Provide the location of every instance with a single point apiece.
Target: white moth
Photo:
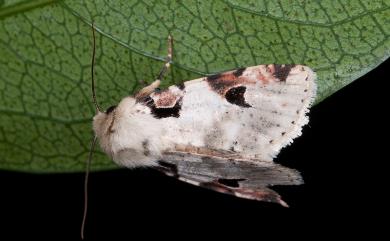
(220, 132)
(249, 113)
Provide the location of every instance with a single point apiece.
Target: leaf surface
(45, 55)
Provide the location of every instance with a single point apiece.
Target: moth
(219, 132)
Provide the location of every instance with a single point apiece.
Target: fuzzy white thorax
(129, 134)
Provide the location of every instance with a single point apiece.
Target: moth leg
(153, 86)
(167, 60)
(145, 91)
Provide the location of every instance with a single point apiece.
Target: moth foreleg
(147, 90)
(167, 60)
(153, 86)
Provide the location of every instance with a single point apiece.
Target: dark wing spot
(239, 72)
(180, 86)
(168, 112)
(161, 112)
(110, 109)
(282, 71)
(148, 101)
(236, 96)
(214, 77)
(220, 83)
(230, 182)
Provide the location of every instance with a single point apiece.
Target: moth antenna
(92, 70)
(87, 169)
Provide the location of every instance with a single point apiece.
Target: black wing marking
(242, 178)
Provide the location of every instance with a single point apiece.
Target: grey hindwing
(242, 178)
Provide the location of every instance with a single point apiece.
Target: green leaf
(45, 55)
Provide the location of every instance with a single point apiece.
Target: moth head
(106, 123)
(103, 122)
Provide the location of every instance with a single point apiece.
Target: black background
(340, 154)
